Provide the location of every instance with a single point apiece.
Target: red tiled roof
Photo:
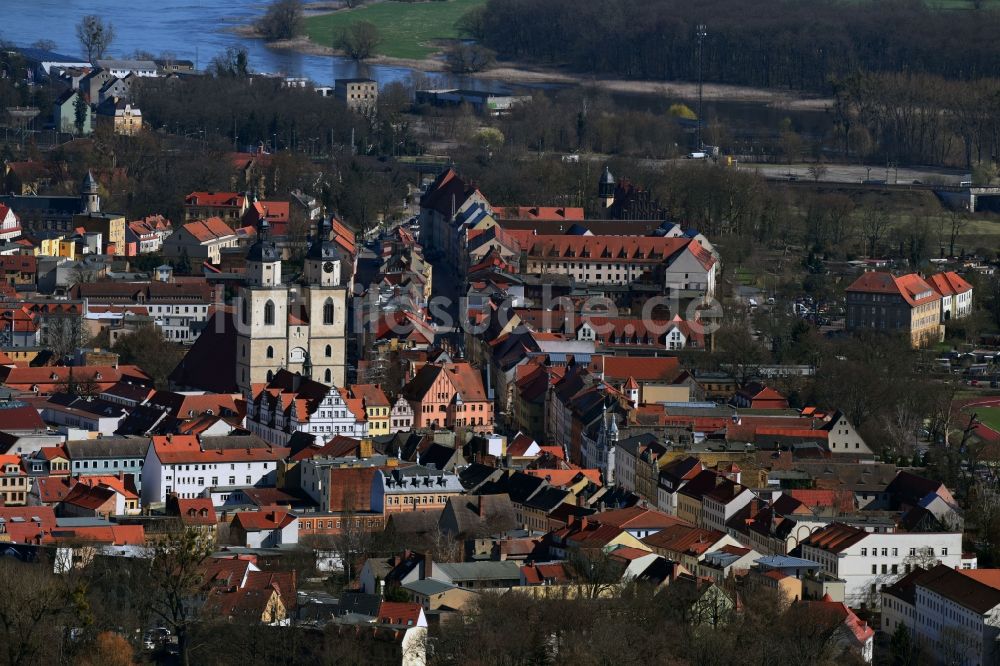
(843, 501)
(684, 538)
(836, 609)
(253, 521)
(404, 613)
(185, 405)
(538, 213)
(520, 444)
(644, 249)
(913, 289)
(554, 451)
(52, 378)
(949, 283)
(118, 535)
(836, 537)
(89, 497)
(33, 524)
(187, 449)
(628, 554)
(637, 517)
(208, 230)
(282, 582)
(990, 577)
(805, 433)
(52, 489)
(21, 418)
(196, 511)
(564, 477)
(371, 394)
(220, 199)
(537, 574)
(620, 368)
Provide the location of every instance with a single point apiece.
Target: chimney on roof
(428, 571)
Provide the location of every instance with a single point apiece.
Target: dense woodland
(767, 43)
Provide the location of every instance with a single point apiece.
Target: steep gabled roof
(949, 283)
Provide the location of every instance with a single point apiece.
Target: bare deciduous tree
(176, 577)
(95, 36)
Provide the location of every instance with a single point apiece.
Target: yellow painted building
(111, 226)
(22, 356)
(14, 482)
(56, 246)
(375, 404)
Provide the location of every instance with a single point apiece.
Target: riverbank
(512, 73)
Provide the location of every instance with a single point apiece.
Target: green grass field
(990, 416)
(408, 29)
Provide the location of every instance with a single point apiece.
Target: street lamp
(700, 35)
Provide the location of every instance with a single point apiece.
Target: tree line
(769, 43)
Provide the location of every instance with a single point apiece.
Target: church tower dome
(90, 195)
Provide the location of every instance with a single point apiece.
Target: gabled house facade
(291, 403)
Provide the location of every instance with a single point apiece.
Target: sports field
(990, 416)
(408, 29)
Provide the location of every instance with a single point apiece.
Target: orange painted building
(446, 395)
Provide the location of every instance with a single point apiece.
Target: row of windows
(200, 480)
(114, 464)
(358, 522)
(423, 499)
(176, 309)
(205, 468)
(328, 311)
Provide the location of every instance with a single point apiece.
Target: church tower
(262, 315)
(607, 443)
(90, 198)
(324, 296)
(606, 188)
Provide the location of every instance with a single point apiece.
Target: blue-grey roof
(491, 570)
(43, 55)
(721, 558)
(429, 586)
(82, 522)
(786, 562)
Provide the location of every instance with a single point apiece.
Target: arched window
(245, 306)
(329, 351)
(270, 351)
(270, 375)
(328, 376)
(328, 311)
(269, 313)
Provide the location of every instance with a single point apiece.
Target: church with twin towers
(298, 326)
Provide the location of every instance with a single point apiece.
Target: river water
(196, 31)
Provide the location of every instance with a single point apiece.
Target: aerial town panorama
(500, 332)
